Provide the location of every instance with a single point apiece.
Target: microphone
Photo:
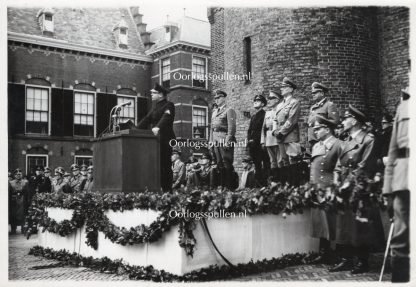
(118, 107)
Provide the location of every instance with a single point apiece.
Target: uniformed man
(396, 189)
(160, 119)
(35, 182)
(76, 180)
(286, 126)
(88, 184)
(18, 196)
(223, 128)
(324, 157)
(84, 171)
(46, 185)
(268, 140)
(357, 157)
(178, 169)
(206, 176)
(257, 153)
(248, 179)
(322, 106)
(58, 184)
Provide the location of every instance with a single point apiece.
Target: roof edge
(63, 44)
(172, 44)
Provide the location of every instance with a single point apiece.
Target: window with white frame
(84, 114)
(127, 112)
(32, 161)
(199, 122)
(84, 159)
(37, 110)
(165, 67)
(199, 72)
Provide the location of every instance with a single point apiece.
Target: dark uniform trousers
(396, 185)
(162, 117)
(357, 156)
(258, 154)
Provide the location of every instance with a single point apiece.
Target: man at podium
(161, 118)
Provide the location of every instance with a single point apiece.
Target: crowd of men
(22, 190)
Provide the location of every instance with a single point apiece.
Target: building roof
(188, 29)
(89, 27)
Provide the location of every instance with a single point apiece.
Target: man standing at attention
(223, 128)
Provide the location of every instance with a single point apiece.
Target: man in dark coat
(396, 188)
(324, 157)
(357, 157)
(322, 106)
(46, 185)
(19, 194)
(160, 119)
(257, 153)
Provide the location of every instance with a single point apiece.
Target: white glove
(155, 131)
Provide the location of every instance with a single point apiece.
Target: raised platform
(239, 240)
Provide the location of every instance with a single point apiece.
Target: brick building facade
(361, 53)
(67, 68)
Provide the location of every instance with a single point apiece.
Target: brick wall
(393, 26)
(336, 46)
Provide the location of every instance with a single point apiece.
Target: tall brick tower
(361, 53)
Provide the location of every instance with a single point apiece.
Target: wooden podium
(127, 161)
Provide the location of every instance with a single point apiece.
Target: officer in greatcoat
(76, 179)
(286, 126)
(325, 154)
(396, 189)
(46, 185)
(322, 106)
(257, 153)
(18, 196)
(88, 183)
(178, 169)
(223, 128)
(268, 140)
(354, 236)
(161, 118)
(59, 184)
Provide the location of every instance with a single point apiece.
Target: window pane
(44, 117)
(77, 119)
(90, 121)
(90, 109)
(77, 108)
(29, 104)
(36, 116)
(29, 116)
(29, 92)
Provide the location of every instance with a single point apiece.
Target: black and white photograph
(207, 141)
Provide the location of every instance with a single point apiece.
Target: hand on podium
(155, 131)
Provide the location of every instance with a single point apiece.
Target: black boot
(400, 269)
(360, 267)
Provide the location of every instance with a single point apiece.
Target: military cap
(60, 170)
(324, 122)
(159, 89)
(219, 93)
(177, 151)
(355, 113)
(17, 170)
(90, 168)
(286, 82)
(207, 156)
(74, 167)
(261, 99)
(247, 158)
(39, 168)
(84, 167)
(318, 87)
(46, 169)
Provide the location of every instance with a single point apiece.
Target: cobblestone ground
(20, 268)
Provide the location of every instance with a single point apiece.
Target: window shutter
(141, 108)
(16, 109)
(68, 113)
(105, 102)
(57, 112)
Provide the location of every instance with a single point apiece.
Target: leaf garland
(358, 191)
(210, 273)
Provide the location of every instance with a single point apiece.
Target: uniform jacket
(255, 128)
(75, 183)
(324, 108)
(223, 124)
(178, 169)
(19, 188)
(88, 185)
(396, 172)
(46, 185)
(248, 179)
(59, 185)
(323, 160)
(287, 120)
(357, 155)
(161, 116)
